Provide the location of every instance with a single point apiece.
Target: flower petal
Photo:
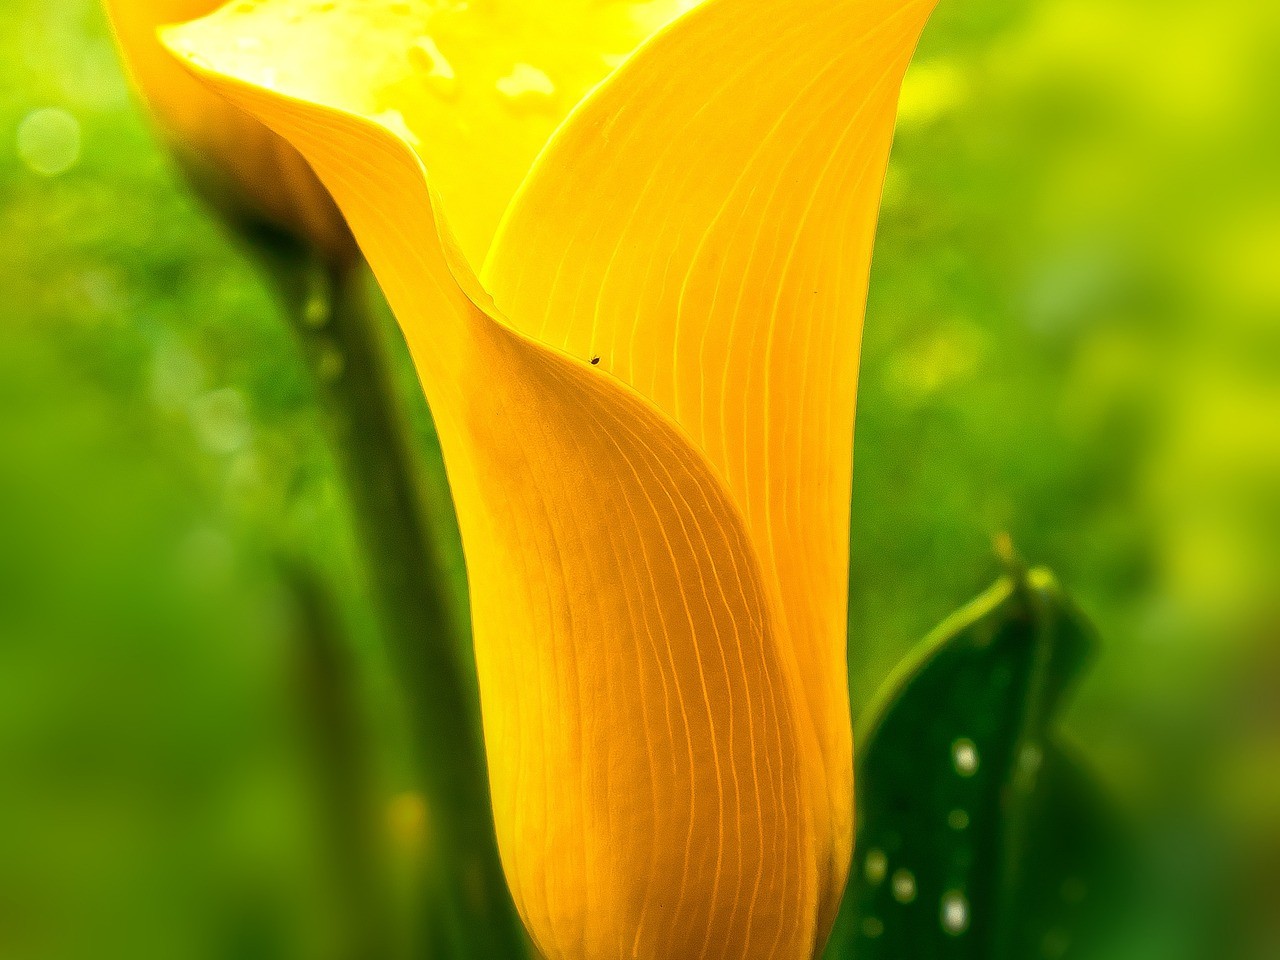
(652, 776)
(477, 87)
(703, 224)
(241, 166)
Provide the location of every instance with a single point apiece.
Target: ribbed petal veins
(649, 436)
(704, 226)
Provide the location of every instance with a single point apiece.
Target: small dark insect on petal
(594, 361)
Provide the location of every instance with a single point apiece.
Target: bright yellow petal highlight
(238, 164)
(704, 226)
(657, 545)
(476, 86)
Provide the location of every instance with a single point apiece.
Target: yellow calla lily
(641, 353)
(240, 166)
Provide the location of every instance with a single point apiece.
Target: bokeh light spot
(49, 141)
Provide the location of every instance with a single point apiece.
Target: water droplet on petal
(426, 57)
(955, 913)
(525, 80)
(964, 754)
(904, 886)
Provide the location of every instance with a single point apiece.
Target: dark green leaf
(979, 835)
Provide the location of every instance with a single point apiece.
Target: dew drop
(964, 754)
(955, 913)
(524, 80)
(875, 866)
(872, 928)
(904, 886)
(958, 819)
(426, 57)
(49, 141)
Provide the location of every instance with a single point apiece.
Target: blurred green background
(1073, 337)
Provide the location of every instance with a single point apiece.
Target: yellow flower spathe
(247, 172)
(641, 352)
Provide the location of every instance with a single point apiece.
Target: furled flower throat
(641, 351)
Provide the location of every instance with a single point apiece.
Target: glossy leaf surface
(980, 834)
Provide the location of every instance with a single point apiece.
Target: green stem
(336, 742)
(420, 617)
